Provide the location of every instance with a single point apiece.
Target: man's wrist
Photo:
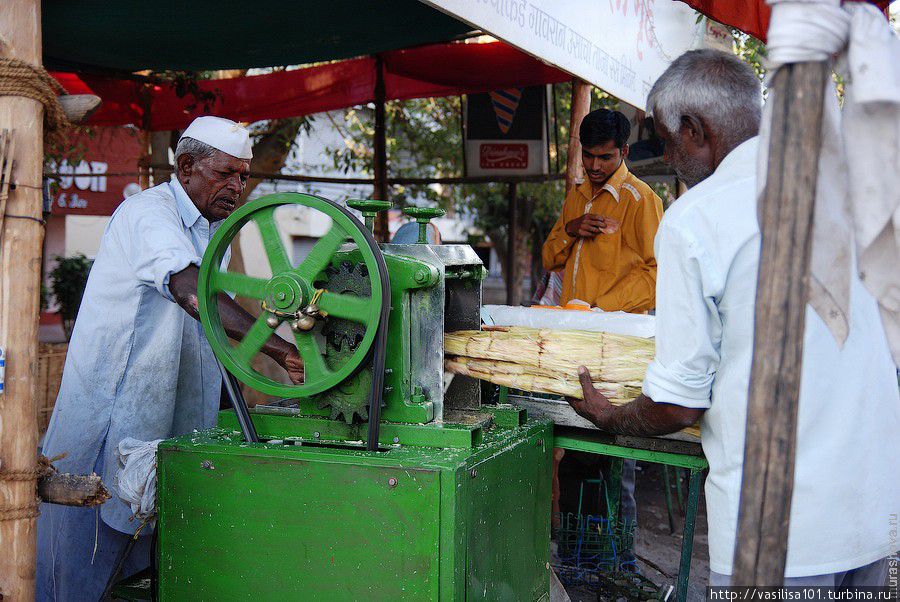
(601, 416)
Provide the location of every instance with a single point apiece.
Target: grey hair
(711, 84)
(193, 148)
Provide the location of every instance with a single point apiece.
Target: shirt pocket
(604, 252)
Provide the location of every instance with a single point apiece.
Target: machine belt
(236, 396)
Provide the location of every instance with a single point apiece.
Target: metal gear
(341, 340)
(345, 278)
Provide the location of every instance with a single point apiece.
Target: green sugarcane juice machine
(377, 478)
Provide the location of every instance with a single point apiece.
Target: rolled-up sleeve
(688, 325)
(156, 246)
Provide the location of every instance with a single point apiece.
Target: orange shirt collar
(613, 184)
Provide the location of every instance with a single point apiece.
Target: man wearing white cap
(138, 364)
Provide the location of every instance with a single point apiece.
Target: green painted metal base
(318, 517)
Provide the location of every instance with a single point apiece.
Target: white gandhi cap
(223, 134)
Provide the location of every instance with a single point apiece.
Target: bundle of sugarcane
(547, 361)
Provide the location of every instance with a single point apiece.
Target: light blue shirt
(138, 365)
(846, 487)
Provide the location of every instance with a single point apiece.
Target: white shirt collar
(742, 157)
(186, 207)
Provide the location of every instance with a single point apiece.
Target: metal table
(680, 450)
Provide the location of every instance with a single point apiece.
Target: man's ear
(693, 128)
(625, 152)
(185, 166)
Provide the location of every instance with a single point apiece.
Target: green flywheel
(289, 295)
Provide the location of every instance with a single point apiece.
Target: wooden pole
(20, 273)
(144, 160)
(512, 295)
(379, 163)
(785, 219)
(555, 127)
(159, 156)
(581, 106)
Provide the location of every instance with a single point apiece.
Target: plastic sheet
(616, 322)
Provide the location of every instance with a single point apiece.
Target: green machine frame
(448, 500)
(304, 516)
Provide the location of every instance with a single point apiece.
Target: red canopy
(749, 16)
(434, 70)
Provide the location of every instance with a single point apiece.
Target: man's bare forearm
(645, 417)
(235, 319)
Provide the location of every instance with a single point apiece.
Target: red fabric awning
(434, 70)
(749, 16)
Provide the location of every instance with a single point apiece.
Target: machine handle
(369, 208)
(423, 215)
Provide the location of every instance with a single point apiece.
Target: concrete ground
(658, 551)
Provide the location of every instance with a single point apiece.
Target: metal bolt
(540, 442)
(396, 439)
(303, 324)
(281, 296)
(392, 482)
(207, 465)
(316, 434)
(473, 473)
(272, 321)
(311, 309)
(421, 276)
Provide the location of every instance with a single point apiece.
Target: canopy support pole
(785, 219)
(21, 242)
(581, 106)
(379, 163)
(512, 232)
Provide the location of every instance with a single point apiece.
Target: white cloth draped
(136, 476)
(857, 215)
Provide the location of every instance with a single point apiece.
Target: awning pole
(379, 157)
(581, 106)
(20, 283)
(785, 219)
(512, 295)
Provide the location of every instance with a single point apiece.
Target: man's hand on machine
(294, 366)
(590, 225)
(286, 356)
(236, 321)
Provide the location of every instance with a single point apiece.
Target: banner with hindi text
(620, 46)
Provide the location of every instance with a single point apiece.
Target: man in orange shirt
(603, 238)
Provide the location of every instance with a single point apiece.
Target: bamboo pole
(20, 269)
(379, 158)
(581, 106)
(785, 219)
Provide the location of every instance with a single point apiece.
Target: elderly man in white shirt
(846, 489)
(138, 364)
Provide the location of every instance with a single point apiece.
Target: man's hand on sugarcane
(642, 416)
(235, 320)
(595, 404)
